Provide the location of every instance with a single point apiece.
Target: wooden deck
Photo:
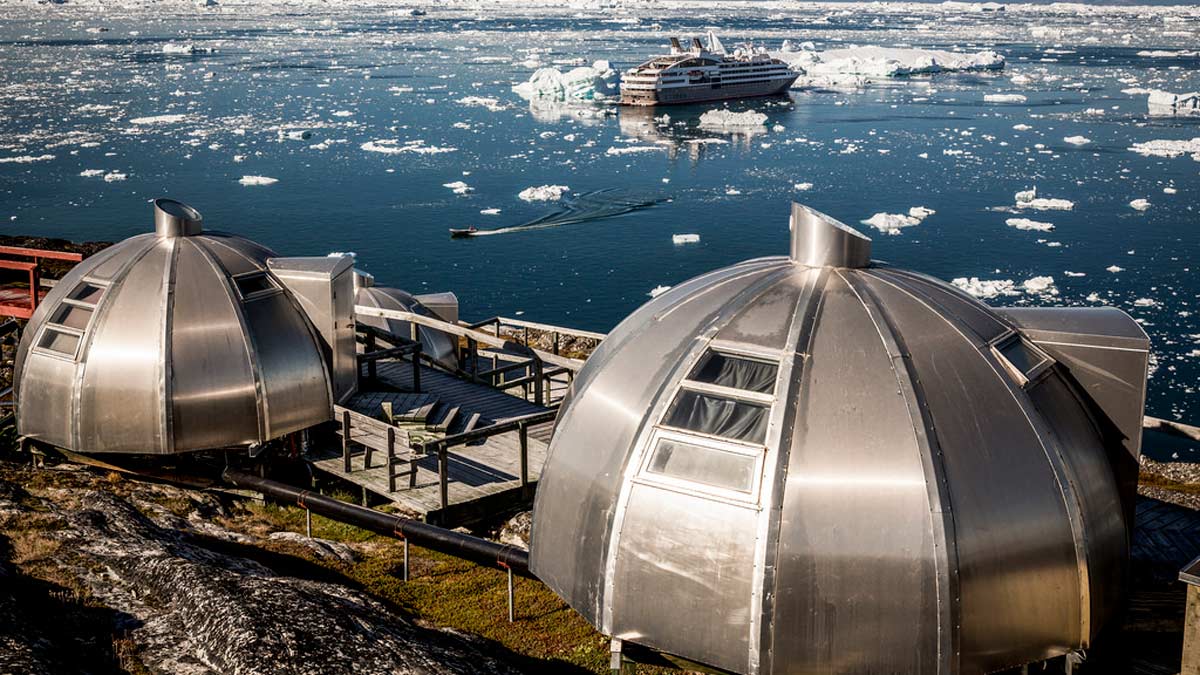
(484, 477)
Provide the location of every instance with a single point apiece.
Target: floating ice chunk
(1004, 98)
(685, 238)
(1077, 140)
(257, 180)
(1040, 286)
(348, 254)
(1169, 190)
(489, 212)
(91, 173)
(658, 290)
(986, 289)
(343, 113)
(1075, 274)
(732, 191)
(395, 147)
(114, 176)
(158, 119)
(633, 149)
(185, 48)
(1145, 302)
(1093, 297)
(1166, 104)
(1022, 127)
(1165, 148)
(458, 187)
(597, 82)
(26, 159)
(1139, 204)
(1114, 269)
(1027, 224)
(294, 134)
(492, 104)
(1028, 199)
(803, 187)
(892, 223)
(544, 193)
(721, 118)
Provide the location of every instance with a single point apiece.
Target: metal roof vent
(176, 219)
(821, 241)
(170, 342)
(816, 464)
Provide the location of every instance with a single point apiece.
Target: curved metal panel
(1019, 575)
(856, 583)
(579, 487)
(442, 347)
(122, 394)
(211, 371)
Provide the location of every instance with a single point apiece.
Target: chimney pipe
(821, 241)
(175, 219)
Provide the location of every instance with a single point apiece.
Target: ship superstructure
(705, 73)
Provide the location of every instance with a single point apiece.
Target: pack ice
(585, 83)
(1166, 104)
(888, 61)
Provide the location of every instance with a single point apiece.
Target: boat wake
(587, 207)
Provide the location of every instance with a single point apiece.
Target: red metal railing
(16, 302)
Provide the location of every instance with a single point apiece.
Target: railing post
(556, 343)
(391, 458)
(539, 386)
(371, 369)
(523, 433)
(416, 359)
(346, 441)
(473, 355)
(35, 278)
(444, 475)
(526, 336)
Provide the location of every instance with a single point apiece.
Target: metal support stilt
(618, 664)
(406, 559)
(511, 615)
(308, 522)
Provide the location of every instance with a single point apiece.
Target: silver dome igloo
(168, 342)
(440, 346)
(820, 463)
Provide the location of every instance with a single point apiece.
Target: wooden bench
(376, 436)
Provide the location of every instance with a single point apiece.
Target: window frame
(51, 326)
(1024, 378)
(255, 295)
(756, 453)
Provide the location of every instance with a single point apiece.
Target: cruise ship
(705, 74)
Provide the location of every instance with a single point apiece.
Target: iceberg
(1139, 204)
(1027, 224)
(685, 238)
(720, 118)
(986, 289)
(1028, 199)
(544, 193)
(1077, 140)
(885, 62)
(257, 180)
(1165, 148)
(1004, 98)
(1166, 104)
(892, 223)
(585, 83)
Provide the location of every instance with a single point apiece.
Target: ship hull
(703, 93)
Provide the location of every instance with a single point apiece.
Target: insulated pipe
(432, 537)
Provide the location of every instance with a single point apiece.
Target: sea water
(312, 128)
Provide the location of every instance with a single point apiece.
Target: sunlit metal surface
(939, 487)
(169, 342)
(440, 346)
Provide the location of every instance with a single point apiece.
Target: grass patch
(448, 592)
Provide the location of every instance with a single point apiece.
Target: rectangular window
(709, 466)
(737, 372)
(1024, 360)
(58, 341)
(72, 316)
(252, 284)
(718, 416)
(85, 292)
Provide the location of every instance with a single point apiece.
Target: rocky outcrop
(193, 605)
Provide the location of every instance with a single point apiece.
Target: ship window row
(69, 322)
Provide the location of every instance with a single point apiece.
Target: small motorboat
(456, 233)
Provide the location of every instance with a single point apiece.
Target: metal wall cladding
(580, 484)
(935, 511)
(173, 358)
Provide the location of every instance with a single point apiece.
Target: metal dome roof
(437, 344)
(817, 463)
(169, 342)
